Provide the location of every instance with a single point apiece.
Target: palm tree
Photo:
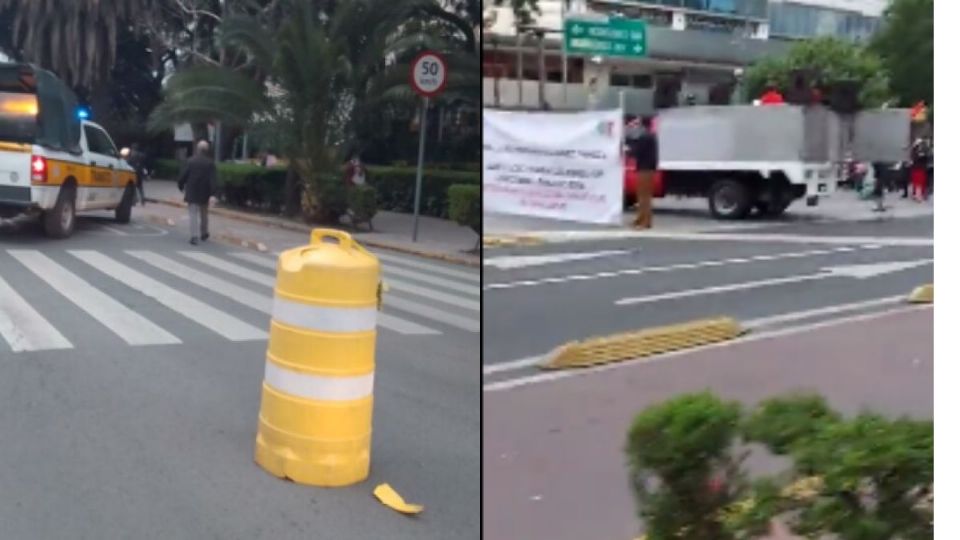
(75, 39)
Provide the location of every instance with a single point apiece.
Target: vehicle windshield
(18, 117)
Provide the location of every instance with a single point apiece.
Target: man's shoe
(193, 241)
(205, 237)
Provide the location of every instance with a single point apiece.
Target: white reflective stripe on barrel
(324, 319)
(318, 387)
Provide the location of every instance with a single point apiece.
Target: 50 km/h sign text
(615, 37)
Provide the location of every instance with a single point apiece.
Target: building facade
(696, 45)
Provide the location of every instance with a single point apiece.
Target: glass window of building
(756, 9)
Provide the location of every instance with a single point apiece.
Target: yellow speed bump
(630, 345)
(922, 295)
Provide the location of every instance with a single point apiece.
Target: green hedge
(466, 206)
(252, 186)
(167, 169)
(396, 185)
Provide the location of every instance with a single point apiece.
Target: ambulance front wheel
(59, 221)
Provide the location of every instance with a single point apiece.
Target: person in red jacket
(771, 96)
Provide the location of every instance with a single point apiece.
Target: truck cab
(53, 163)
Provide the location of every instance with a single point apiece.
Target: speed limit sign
(428, 74)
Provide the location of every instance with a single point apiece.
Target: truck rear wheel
(59, 221)
(730, 199)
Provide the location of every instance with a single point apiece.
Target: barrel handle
(343, 239)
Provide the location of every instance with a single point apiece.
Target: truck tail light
(38, 169)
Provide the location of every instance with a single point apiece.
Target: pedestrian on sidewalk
(138, 160)
(919, 159)
(198, 181)
(354, 172)
(645, 152)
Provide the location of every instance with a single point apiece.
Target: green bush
(251, 186)
(396, 185)
(166, 169)
(866, 477)
(781, 423)
(466, 206)
(324, 200)
(362, 201)
(683, 469)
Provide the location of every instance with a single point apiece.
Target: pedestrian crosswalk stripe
(434, 295)
(435, 268)
(256, 301)
(473, 290)
(129, 325)
(222, 323)
(269, 264)
(403, 326)
(388, 272)
(394, 323)
(23, 328)
(259, 302)
(394, 302)
(231, 268)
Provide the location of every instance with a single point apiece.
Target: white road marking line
(129, 325)
(222, 323)
(458, 321)
(434, 268)
(651, 269)
(259, 302)
(457, 301)
(385, 320)
(471, 289)
(230, 268)
(509, 262)
(859, 271)
(762, 322)
(559, 375)
(512, 365)
(576, 236)
(25, 329)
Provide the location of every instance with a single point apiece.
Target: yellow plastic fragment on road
(503, 241)
(922, 295)
(392, 499)
(631, 345)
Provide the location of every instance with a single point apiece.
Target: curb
(922, 295)
(643, 343)
(296, 227)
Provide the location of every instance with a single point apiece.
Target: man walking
(198, 182)
(646, 153)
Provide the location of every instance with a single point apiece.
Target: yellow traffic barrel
(316, 410)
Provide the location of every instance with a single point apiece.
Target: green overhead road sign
(614, 37)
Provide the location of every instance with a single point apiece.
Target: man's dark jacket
(645, 151)
(198, 180)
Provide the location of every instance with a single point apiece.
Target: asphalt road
(104, 439)
(536, 298)
(553, 462)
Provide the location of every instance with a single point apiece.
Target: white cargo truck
(743, 158)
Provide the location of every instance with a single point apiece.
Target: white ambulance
(53, 163)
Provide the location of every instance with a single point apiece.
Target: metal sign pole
(416, 196)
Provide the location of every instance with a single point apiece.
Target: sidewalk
(437, 238)
(691, 215)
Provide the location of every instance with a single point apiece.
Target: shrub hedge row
(262, 188)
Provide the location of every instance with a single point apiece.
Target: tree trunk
(291, 189)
